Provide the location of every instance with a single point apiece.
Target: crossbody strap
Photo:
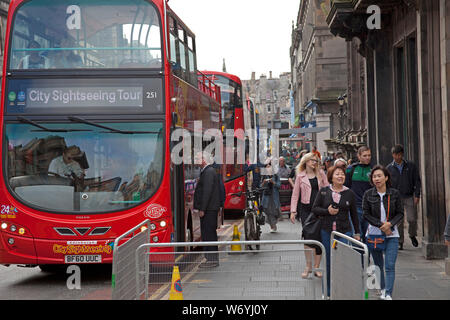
(389, 204)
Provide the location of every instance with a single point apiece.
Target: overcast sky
(252, 35)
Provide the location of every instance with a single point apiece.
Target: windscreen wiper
(45, 129)
(111, 130)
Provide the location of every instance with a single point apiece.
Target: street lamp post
(341, 112)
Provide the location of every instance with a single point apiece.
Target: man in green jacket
(357, 179)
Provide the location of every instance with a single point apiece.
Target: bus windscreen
(86, 34)
(83, 166)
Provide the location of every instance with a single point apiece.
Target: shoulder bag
(378, 242)
(311, 228)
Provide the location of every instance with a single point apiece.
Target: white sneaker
(383, 294)
(388, 297)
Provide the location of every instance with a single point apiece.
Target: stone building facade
(271, 98)
(319, 72)
(399, 91)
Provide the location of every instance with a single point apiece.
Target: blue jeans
(326, 237)
(387, 264)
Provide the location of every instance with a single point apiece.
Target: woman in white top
(383, 209)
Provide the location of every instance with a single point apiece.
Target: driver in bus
(34, 60)
(66, 165)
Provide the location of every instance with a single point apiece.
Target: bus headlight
(11, 241)
(163, 224)
(152, 226)
(15, 229)
(155, 239)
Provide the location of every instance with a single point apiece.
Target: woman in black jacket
(383, 209)
(332, 206)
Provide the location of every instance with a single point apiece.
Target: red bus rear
(233, 119)
(90, 96)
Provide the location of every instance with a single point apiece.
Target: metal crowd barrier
(271, 273)
(348, 268)
(124, 261)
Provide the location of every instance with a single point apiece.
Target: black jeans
(208, 228)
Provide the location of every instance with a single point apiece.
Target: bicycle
(253, 217)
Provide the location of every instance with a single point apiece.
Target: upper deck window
(231, 99)
(87, 34)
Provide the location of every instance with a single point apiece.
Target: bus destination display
(27, 96)
(84, 97)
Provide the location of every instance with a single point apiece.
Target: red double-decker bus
(232, 119)
(92, 91)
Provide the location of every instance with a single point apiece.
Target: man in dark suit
(207, 203)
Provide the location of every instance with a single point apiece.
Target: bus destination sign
(85, 97)
(60, 96)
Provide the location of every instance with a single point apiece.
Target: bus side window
(177, 51)
(173, 42)
(192, 60)
(182, 52)
(182, 47)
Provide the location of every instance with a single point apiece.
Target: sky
(251, 35)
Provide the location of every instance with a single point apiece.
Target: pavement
(416, 277)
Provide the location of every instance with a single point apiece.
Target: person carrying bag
(377, 240)
(383, 210)
(336, 205)
(309, 180)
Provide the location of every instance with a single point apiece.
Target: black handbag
(312, 227)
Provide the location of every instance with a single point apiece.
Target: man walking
(207, 201)
(357, 179)
(406, 179)
(283, 170)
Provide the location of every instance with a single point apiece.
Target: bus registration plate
(83, 259)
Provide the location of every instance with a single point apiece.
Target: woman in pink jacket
(309, 180)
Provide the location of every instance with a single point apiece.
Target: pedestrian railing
(124, 261)
(348, 268)
(144, 270)
(271, 273)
